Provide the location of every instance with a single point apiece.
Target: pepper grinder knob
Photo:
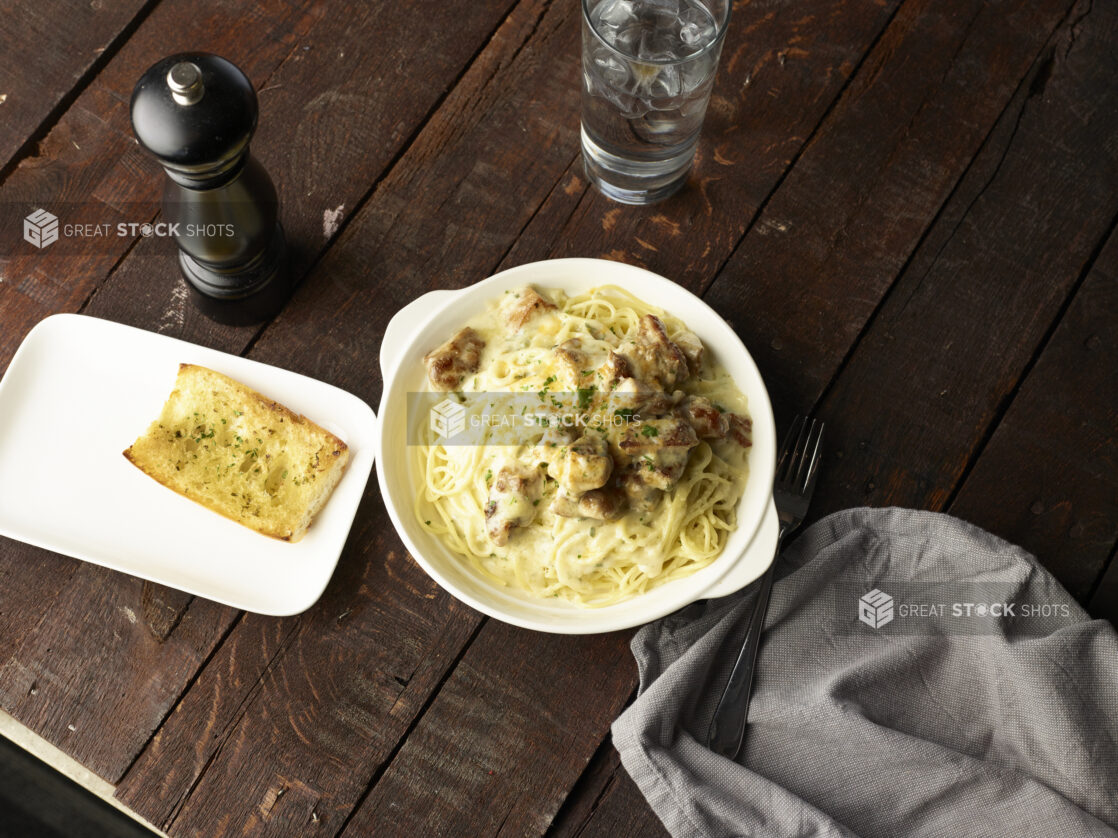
(196, 114)
(185, 81)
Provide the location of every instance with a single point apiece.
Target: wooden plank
(587, 792)
(831, 242)
(90, 168)
(98, 701)
(929, 378)
(287, 724)
(622, 812)
(1104, 603)
(513, 753)
(337, 110)
(782, 69)
(48, 50)
(1048, 478)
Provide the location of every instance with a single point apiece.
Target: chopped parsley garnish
(650, 430)
(585, 394)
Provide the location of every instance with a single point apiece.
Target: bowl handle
(753, 562)
(403, 325)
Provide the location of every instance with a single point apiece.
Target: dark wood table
(906, 209)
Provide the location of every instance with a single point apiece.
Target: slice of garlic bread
(240, 454)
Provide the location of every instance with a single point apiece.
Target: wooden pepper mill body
(196, 113)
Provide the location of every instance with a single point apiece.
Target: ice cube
(626, 37)
(665, 84)
(697, 27)
(656, 45)
(690, 33)
(615, 13)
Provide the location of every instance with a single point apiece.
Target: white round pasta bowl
(431, 319)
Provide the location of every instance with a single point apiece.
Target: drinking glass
(647, 70)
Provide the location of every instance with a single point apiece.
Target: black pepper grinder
(196, 113)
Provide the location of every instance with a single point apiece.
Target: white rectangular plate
(81, 390)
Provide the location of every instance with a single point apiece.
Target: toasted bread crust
(241, 454)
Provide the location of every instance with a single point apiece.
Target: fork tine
(803, 456)
(787, 459)
(801, 448)
(810, 463)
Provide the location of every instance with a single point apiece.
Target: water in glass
(647, 67)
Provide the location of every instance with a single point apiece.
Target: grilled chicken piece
(615, 370)
(704, 417)
(449, 364)
(553, 444)
(741, 429)
(602, 504)
(572, 362)
(512, 501)
(524, 304)
(583, 465)
(654, 358)
(692, 349)
(598, 504)
(639, 495)
(641, 400)
(656, 451)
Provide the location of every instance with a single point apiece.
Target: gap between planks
(30, 146)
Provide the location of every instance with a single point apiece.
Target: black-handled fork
(795, 481)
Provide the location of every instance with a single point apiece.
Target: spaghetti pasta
(662, 506)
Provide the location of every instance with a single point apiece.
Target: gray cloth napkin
(940, 721)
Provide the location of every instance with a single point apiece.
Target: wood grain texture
(389, 708)
(90, 168)
(1104, 603)
(257, 755)
(65, 42)
(948, 346)
(622, 812)
(1048, 478)
(783, 65)
(87, 674)
(488, 756)
(835, 263)
(830, 243)
(286, 725)
(162, 608)
(365, 95)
